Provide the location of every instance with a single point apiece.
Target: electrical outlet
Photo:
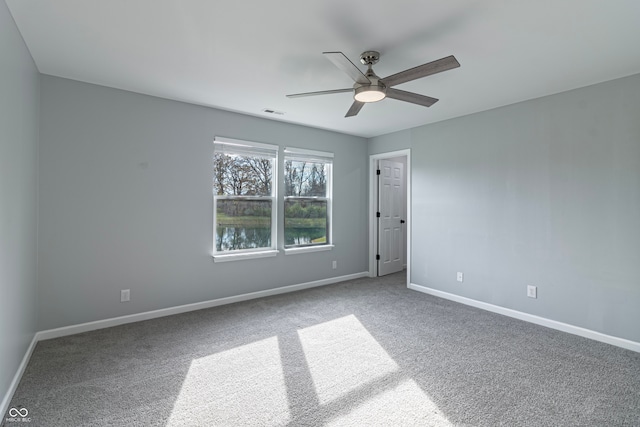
(532, 291)
(125, 295)
(460, 276)
(334, 264)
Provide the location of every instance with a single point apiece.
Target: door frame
(373, 199)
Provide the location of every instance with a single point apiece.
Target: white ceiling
(245, 56)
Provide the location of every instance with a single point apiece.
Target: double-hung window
(244, 198)
(307, 198)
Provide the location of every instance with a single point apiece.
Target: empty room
(322, 213)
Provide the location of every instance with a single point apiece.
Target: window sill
(307, 249)
(247, 255)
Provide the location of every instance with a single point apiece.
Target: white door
(391, 221)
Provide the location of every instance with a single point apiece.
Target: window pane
(305, 222)
(305, 179)
(243, 224)
(237, 175)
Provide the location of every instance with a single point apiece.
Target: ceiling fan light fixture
(368, 87)
(370, 93)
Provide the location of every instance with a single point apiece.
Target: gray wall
(544, 192)
(392, 142)
(126, 202)
(18, 197)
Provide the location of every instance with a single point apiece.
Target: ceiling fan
(371, 88)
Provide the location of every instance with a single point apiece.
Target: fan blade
(342, 62)
(322, 92)
(355, 108)
(420, 71)
(411, 97)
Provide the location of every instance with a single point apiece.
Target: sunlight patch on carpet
(343, 356)
(404, 405)
(241, 386)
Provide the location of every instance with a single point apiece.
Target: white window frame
(292, 153)
(236, 146)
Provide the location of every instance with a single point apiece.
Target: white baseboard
(4, 406)
(553, 324)
(115, 321)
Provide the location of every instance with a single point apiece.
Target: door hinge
(377, 257)
(377, 214)
(378, 172)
